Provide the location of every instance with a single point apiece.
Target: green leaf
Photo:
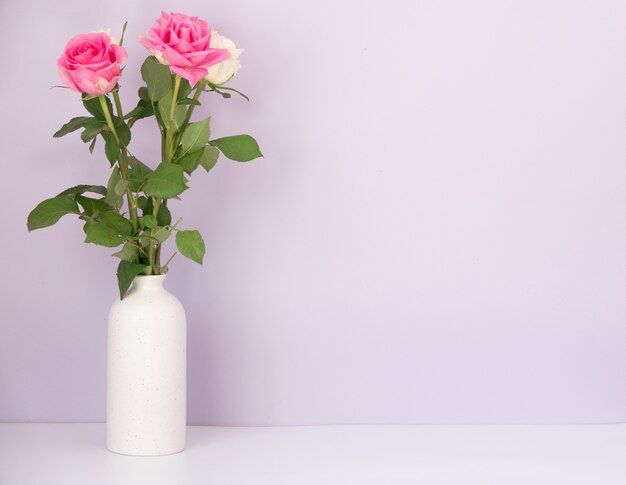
(129, 252)
(102, 234)
(143, 94)
(195, 102)
(93, 106)
(148, 221)
(117, 222)
(241, 148)
(137, 173)
(165, 105)
(72, 125)
(91, 206)
(142, 110)
(92, 145)
(123, 132)
(165, 182)
(112, 198)
(183, 90)
(164, 217)
(160, 234)
(190, 161)
(91, 132)
(158, 78)
(111, 148)
(49, 211)
(120, 187)
(145, 204)
(209, 157)
(196, 135)
(148, 111)
(135, 111)
(190, 245)
(81, 189)
(126, 273)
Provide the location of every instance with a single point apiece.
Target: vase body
(147, 371)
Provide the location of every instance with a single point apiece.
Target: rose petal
(174, 57)
(68, 79)
(191, 74)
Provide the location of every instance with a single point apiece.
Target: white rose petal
(114, 40)
(224, 71)
(160, 57)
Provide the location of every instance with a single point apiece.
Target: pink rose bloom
(91, 64)
(183, 43)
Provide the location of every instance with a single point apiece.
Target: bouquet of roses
(131, 211)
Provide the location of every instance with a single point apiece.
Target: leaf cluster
(131, 212)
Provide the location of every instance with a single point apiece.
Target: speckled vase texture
(147, 371)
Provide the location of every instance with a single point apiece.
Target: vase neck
(148, 282)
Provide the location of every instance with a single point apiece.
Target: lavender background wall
(436, 235)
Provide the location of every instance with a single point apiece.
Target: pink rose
(91, 64)
(183, 43)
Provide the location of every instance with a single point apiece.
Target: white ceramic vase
(147, 371)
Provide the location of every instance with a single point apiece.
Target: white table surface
(68, 454)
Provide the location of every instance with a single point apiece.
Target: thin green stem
(157, 258)
(123, 157)
(169, 145)
(167, 152)
(174, 99)
(118, 104)
(196, 96)
(171, 257)
(173, 228)
(123, 32)
(183, 127)
(107, 117)
(155, 249)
